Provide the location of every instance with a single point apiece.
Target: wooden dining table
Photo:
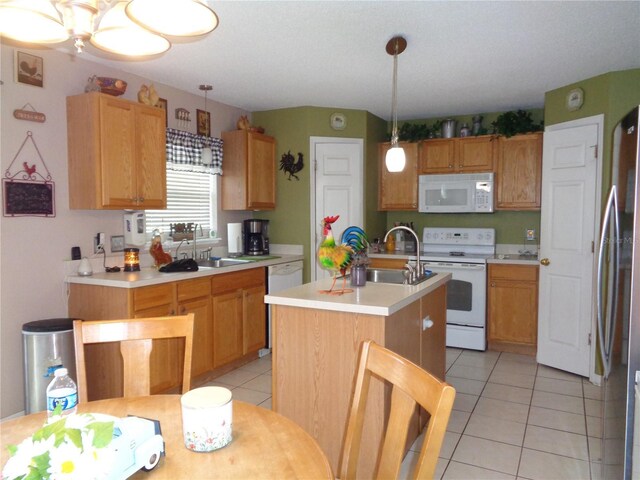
(265, 445)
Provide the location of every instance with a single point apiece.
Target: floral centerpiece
(71, 447)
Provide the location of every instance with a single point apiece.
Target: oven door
(466, 292)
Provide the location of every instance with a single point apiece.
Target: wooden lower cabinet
(314, 361)
(228, 326)
(239, 314)
(512, 308)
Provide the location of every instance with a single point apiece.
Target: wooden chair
(136, 338)
(410, 385)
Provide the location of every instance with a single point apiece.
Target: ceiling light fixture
(132, 27)
(395, 158)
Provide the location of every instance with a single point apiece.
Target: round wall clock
(575, 99)
(338, 121)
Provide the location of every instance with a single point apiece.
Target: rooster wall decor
(338, 258)
(289, 164)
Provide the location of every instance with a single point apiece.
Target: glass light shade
(33, 21)
(395, 159)
(180, 18)
(207, 156)
(118, 34)
(78, 17)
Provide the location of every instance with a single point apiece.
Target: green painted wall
(613, 94)
(292, 128)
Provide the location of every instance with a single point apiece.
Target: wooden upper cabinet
(117, 153)
(519, 172)
(399, 190)
(457, 155)
(249, 180)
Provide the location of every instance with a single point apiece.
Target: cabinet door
(254, 319)
(261, 175)
(167, 354)
(151, 166)
(227, 327)
(519, 172)
(117, 153)
(393, 263)
(202, 356)
(512, 306)
(398, 190)
(475, 154)
(437, 156)
(433, 326)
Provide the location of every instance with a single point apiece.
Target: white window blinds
(191, 198)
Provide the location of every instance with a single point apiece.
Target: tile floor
(512, 418)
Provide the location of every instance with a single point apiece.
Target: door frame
(313, 141)
(597, 120)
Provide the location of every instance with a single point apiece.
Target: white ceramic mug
(207, 418)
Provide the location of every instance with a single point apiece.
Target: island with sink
(226, 296)
(316, 342)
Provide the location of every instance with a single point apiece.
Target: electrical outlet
(531, 234)
(117, 243)
(98, 242)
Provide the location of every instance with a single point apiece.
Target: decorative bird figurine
(338, 258)
(143, 95)
(29, 169)
(289, 165)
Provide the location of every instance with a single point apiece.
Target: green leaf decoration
(12, 449)
(54, 428)
(75, 435)
(512, 123)
(103, 433)
(41, 463)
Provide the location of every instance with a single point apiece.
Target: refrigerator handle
(601, 315)
(613, 301)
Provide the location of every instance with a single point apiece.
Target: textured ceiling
(462, 57)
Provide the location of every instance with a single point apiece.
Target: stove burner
(456, 254)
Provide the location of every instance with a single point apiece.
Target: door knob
(545, 262)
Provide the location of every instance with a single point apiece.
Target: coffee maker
(256, 237)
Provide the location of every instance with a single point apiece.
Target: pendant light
(395, 159)
(207, 154)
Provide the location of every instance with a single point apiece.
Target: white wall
(32, 249)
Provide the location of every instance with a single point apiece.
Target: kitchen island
(316, 343)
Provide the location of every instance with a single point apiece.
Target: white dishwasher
(281, 277)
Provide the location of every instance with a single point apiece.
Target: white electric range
(463, 252)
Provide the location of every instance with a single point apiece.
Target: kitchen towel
(234, 237)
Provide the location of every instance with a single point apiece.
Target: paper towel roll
(234, 237)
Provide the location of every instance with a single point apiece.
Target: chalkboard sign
(28, 198)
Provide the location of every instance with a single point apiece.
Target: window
(191, 184)
(191, 198)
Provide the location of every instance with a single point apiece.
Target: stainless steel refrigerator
(618, 307)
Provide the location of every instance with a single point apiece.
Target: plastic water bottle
(62, 391)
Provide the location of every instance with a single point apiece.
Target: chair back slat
(136, 342)
(411, 385)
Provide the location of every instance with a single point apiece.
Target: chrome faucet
(418, 273)
(178, 248)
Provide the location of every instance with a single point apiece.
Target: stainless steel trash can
(47, 346)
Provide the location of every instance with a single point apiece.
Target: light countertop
(514, 259)
(150, 276)
(374, 298)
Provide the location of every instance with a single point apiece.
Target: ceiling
(462, 57)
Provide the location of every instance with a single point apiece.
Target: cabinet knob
(545, 262)
(459, 165)
(493, 284)
(450, 165)
(426, 323)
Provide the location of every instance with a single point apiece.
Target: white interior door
(568, 231)
(336, 189)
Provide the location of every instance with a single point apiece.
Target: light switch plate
(117, 243)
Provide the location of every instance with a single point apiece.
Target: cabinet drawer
(233, 281)
(393, 263)
(190, 289)
(527, 273)
(153, 296)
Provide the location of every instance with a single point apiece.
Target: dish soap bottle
(390, 245)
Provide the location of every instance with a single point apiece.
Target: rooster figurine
(338, 258)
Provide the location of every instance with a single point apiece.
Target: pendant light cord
(394, 100)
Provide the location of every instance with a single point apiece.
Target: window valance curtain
(184, 152)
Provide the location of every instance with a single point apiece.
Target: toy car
(137, 443)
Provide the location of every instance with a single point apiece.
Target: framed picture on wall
(162, 103)
(204, 123)
(29, 69)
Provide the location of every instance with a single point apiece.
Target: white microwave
(456, 193)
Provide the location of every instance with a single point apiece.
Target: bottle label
(68, 402)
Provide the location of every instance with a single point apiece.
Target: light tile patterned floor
(512, 418)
